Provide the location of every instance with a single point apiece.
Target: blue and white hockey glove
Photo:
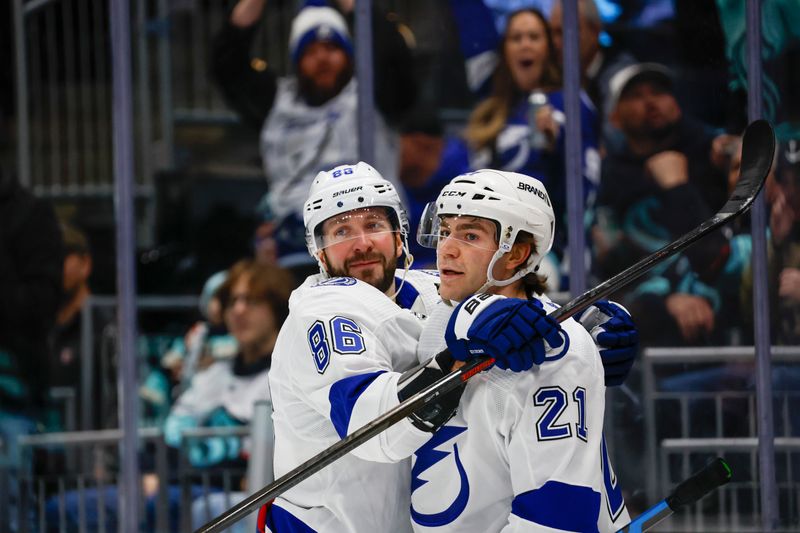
(434, 415)
(615, 334)
(511, 330)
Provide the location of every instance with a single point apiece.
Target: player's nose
(447, 247)
(362, 241)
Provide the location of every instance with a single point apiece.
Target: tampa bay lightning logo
(427, 456)
(336, 282)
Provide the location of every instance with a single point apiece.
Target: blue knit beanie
(318, 23)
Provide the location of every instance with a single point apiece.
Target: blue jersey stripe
(560, 506)
(407, 295)
(343, 396)
(282, 521)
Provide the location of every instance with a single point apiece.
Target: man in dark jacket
(664, 181)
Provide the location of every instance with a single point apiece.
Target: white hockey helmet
(514, 201)
(345, 188)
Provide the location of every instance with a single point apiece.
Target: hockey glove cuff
(517, 333)
(434, 415)
(615, 334)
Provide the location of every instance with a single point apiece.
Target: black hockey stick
(758, 150)
(713, 476)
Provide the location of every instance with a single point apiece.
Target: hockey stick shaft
(758, 148)
(713, 476)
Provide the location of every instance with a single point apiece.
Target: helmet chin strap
(322, 268)
(407, 262)
(490, 279)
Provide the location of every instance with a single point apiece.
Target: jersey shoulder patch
(335, 282)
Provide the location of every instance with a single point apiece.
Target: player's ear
(518, 255)
(398, 245)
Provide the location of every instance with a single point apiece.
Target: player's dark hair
(533, 282)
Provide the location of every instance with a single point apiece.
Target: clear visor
(435, 230)
(360, 224)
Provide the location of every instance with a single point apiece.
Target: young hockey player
(525, 451)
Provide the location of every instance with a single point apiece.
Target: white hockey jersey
(298, 141)
(525, 451)
(335, 367)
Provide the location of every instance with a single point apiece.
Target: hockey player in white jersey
(351, 332)
(525, 451)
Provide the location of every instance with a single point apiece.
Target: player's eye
(469, 236)
(444, 233)
(340, 232)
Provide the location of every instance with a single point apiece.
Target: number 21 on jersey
(345, 338)
(556, 401)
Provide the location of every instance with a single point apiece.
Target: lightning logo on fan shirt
(427, 456)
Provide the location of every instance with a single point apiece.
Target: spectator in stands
(64, 365)
(308, 120)
(255, 302)
(31, 263)
(598, 63)
(664, 181)
(429, 159)
(206, 342)
(504, 131)
(783, 249)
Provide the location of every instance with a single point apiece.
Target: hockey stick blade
(713, 476)
(758, 149)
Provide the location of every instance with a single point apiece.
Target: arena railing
(711, 407)
(64, 486)
(89, 337)
(723, 511)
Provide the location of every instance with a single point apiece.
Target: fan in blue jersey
(525, 451)
(519, 124)
(352, 331)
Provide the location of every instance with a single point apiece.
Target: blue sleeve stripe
(559, 506)
(343, 396)
(282, 521)
(407, 295)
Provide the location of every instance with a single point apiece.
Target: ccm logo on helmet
(453, 193)
(530, 188)
(351, 189)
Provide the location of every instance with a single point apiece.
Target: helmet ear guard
(514, 201)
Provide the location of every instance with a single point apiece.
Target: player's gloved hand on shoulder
(615, 334)
(434, 415)
(512, 330)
